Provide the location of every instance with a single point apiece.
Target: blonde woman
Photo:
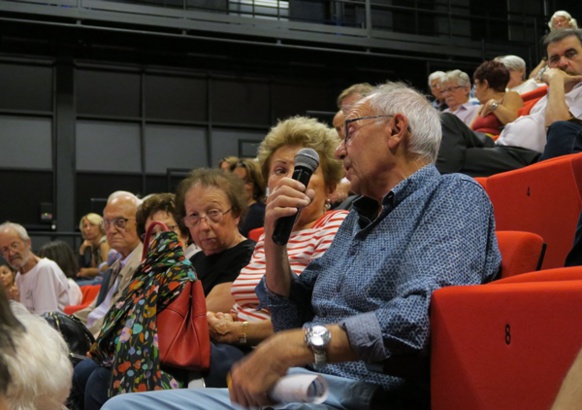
(94, 249)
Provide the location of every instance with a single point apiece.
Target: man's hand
(253, 377)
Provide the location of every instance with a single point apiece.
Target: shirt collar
(367, 208)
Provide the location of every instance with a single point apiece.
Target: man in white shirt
(522, 141)
(121, 230)
(42, 285)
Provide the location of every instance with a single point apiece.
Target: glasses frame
(451, 89)
(206, 218)
(116, 222)
(348, 138)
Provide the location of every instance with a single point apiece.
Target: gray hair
(437, 75)
(559, 35)
(513, 63)
(460, 77)
(20, 230)
(423, 120)
(565, 14)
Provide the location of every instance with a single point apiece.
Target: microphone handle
(284, 226)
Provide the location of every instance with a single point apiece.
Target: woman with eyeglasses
(249, 171)
(94, 249)
(212, 203)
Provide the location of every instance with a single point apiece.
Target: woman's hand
(86, 243)
(223, 328)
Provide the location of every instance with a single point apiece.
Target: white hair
(19, 229)
(437, 75)
(124, 194)
(423, 120)
(565, 14)
(513, 63)
(460, 77)
(40, 369)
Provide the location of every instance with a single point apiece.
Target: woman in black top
(211, 204)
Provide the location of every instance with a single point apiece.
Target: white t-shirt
(75, 292)
(44, 288)
(529, 131)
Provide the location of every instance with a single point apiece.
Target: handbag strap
(146, 239)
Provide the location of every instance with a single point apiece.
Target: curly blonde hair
(307, 133)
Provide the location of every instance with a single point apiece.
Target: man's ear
(398, 128)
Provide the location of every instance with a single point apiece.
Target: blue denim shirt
(377, 277)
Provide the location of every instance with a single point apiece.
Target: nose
(340, 151)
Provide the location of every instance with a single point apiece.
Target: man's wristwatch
(317, 338)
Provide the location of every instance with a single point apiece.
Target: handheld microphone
(306, 162)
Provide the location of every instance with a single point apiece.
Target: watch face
(318, 336)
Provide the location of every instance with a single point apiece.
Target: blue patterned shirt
(377, 277)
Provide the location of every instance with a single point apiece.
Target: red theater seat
(543, 198)
(90, 292)
(521, 252)
(505, 346)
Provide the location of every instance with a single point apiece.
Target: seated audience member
(8, 279)
(248, 171)
(227, 162)
(435, 83)
(35, 371)
(517, 81)
(64, 256)
(522, 141)
(455, 91)
(129, 330)
(348, 97)
(234, 334)
(119, 223)
(498, 107)
(211, 204)
(94, 249)
(559, 20)
(367, 298)
(162, 208)
(42, 285)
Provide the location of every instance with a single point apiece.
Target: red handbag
(183, 337)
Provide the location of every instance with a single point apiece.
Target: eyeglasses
(451, 89)
(156, 231)
(13, 247)
(119, 223)
(212, 216)
(347, 123)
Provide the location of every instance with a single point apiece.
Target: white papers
(300, 388)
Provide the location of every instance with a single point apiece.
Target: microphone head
(307, 158)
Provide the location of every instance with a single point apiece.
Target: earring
(327, 206)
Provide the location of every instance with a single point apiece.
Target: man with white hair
(121, 230)
(456, 92)
(42, 285)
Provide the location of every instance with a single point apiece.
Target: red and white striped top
(303, 246)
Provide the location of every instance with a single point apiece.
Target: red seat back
(505, 346)
(544, 198)
(89, 292)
